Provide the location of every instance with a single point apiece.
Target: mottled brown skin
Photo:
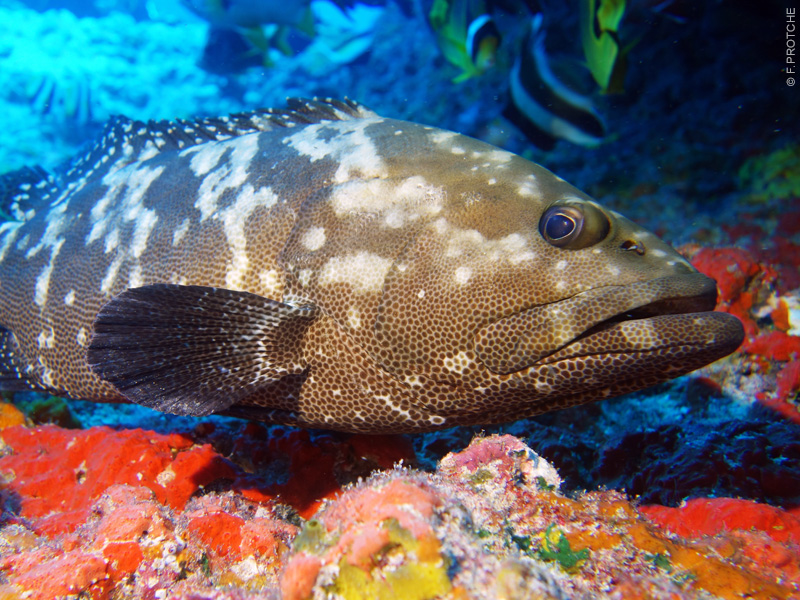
(400, 275)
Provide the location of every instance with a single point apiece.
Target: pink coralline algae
(107, 514)
(352, 541)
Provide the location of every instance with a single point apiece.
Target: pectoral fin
(193, 350)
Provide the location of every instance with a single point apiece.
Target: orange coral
(10, 415)
(709, 516)
(58, 473)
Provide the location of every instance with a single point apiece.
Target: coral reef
(491, 522)
(702, 486)
(760, 286)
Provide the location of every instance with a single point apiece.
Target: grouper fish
(322, 266)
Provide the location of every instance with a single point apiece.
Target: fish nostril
(634, 246)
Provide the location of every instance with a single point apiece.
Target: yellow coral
(406, 568)
(410, 581)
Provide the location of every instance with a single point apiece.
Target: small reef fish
(546, 102)
(466, 34)
(68, 97)
(237, 38)
(326, 267)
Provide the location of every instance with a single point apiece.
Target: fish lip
(687, 321)
(542, 334)
(705, 301)
(710, 335)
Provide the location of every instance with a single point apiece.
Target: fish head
(523, 294)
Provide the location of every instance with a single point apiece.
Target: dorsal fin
(23, 189)
(302, 111)
(125, 140)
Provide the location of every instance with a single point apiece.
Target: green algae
(774, 176)
(543, 486)
(660, 561)
(480, 476)
(49, 409)
(556, 548)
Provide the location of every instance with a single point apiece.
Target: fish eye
(574, 225)
(559, 226)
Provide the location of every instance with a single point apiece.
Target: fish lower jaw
(531, 336)
(701, 337)
(606, 364)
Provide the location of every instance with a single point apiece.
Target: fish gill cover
(677, 115)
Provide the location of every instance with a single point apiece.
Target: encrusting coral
(135, 514)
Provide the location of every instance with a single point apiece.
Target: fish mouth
(670, 306)
(696, 338)
(669, 315)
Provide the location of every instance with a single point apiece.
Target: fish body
(546, 99)
(242, 33)
(326, 267)
(600, 21)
